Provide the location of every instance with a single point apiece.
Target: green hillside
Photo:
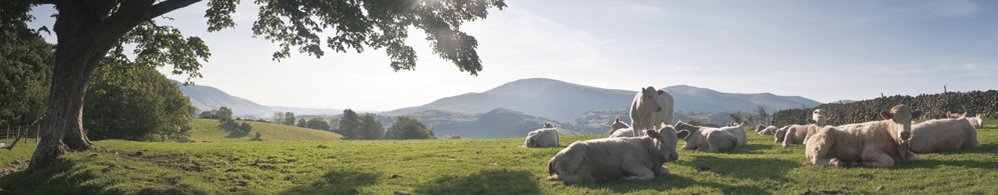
(206, 130)
(494, 166)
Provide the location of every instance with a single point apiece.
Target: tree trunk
(86, 29)
(63, 129)
(82, 44)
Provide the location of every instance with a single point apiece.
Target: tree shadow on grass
(52, 179)
(485, 182)
(336, 182)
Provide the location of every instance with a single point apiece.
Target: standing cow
(651, 109)
(877, 143)
(544, 137)
(628, 158)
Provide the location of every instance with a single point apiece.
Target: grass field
(290, 166)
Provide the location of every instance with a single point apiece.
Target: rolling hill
(207, 130)
(563, 101)
(206, 98)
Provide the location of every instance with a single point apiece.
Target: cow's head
(680, 125)
(667, 140)
(759, 128)
(901, 115)
(980, 121)
(618, 125)
(952, 115)
(781, 133)
(649, 97)
(548, 125)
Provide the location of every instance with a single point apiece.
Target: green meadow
(293, 160)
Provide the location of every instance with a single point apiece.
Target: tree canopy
(408, 128)
(91, 32)
(137, 103)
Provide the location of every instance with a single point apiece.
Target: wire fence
(28, 133)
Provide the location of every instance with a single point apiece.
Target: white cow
(651, 109)
(765, 130)
(706, 139)
(941, 135)
(977, 121)
(877, 143)
(544, 137)
(628, 158)
(819, 117)
(620, 129)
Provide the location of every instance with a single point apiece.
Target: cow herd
(627, 154)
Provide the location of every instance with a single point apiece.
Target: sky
(822, 50)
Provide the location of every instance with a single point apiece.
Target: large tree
(371, 128)
(25, 67)
(136, 103)
(350, 125)
(89, 31)
(407, 127)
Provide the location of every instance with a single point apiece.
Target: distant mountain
(206, 98)
(563, 101)
(694, 99)
(497, 123)
(549, 98)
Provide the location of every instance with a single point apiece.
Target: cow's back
(610, 152)
(942, 135)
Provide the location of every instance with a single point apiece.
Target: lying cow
(620, 129)
(651, 109)
(706, 139)
(738, 130)
(765, 130)
(877, 143)
(796, 134)
(941, 135)
(819, 117)
(544, 137)
(977, 121)
(628, 158)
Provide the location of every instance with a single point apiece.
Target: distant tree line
(932, 105)
(367, 127)
(354, 126)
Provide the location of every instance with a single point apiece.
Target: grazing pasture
(498, 166)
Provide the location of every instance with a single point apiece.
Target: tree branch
(168, 6)
(42, 2)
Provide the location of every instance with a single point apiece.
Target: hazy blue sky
(823, 50)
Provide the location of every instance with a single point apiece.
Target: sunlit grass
(497, 166)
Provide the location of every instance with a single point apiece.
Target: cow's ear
(653, 134)
(918, 113)
(660, 92)
(682, 134)
(886, 114)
